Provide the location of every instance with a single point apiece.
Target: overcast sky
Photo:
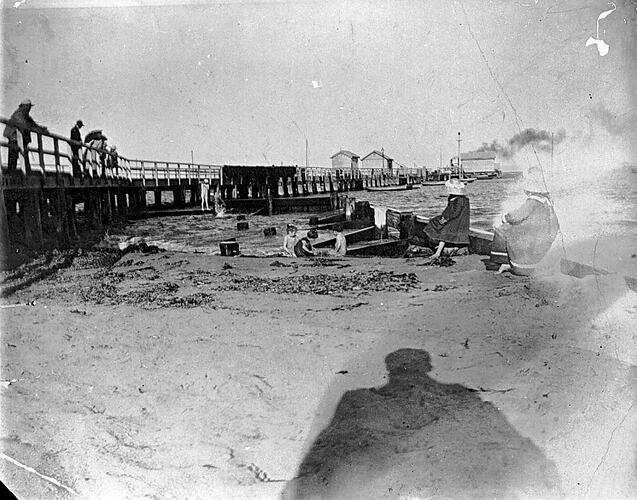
(246, 82)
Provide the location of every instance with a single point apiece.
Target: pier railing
(51, 155)
(64, 162)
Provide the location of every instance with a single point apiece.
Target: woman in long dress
(526, 233)
(450, 229)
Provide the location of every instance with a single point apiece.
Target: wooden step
(379, 248)
(367, 233)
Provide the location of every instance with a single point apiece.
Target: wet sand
(175, 375)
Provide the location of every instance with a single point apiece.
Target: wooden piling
(122, 202)
(70, 215)
(107, 208)
(4, 223)
(60, 218)
(112, 196)
(270, 206)
(179, 197)
(33, 219)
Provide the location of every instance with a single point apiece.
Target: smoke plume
(539, 139)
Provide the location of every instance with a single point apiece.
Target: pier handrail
(93, 161)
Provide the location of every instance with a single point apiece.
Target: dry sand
(176, 375)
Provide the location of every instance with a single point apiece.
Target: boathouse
(345, 162)
(377, 163)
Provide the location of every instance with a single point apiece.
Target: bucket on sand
(269, 231)
(229, 248)
(242, 226)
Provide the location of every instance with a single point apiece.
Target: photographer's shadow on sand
(418, 438)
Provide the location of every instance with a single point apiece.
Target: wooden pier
(51, 197)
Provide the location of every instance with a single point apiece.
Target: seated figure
(527, 232)
(449, 231)
(303, 247)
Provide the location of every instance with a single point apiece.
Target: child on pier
(290, 240)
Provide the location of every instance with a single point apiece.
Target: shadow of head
(407, 362)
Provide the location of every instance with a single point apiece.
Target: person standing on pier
(96, 140)
(527, 232)
(451, 228)
(104, 148)
(20, 120)
(113, 161)
(75, 149)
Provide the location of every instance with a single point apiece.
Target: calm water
(585, 208)
(485, 198)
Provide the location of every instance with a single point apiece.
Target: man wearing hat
(451, 228)
(75, 149)
(22, 121)
(527, 232)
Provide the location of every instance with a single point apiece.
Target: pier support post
(157, 198)
(107, 213)
(133, 199)
(179, 197)
(4, 224)
(122, 207)
(333, 201)
(33, 219)
(58, 198)
(70, 217)
(112, 196)
(270, 205)
(93, 208)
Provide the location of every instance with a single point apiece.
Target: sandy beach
(173, 375)
(143, 139)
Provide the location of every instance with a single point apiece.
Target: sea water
(585, 208)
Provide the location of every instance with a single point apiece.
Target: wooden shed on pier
(345, 161)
